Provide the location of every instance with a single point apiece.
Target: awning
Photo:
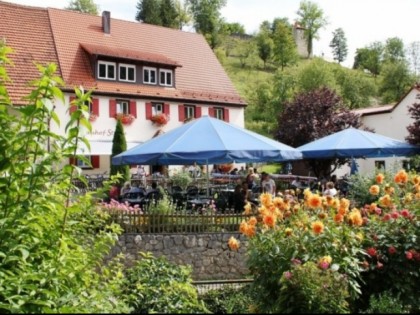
(101, 147)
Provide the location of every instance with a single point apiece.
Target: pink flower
(371, 251)
(324, 265)
(387, 217)
(405, 213)
(409, 255)
(395, 215)
(379, 265)
(287, 275)
(392, 250)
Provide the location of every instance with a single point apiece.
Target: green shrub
(307, 289)
(182, 179)
(385, 303)
(228, 300)
(52, 248)
(155, 285)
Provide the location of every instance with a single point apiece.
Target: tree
(395, 81)
(183, 16)
(312, 20)
(85, 6)
(369, 58)
(285, 51)
(265, 46)
(394, 50)
(207, 18)
(414, 128)
(313, 115)
(119, 145)
(413, 53)
(148, 11)
(169, 14)
(315, 75)
(339, 45)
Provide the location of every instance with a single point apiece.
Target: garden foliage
(324, 255)
(51, 245)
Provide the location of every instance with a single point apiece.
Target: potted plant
(92, 117)
(160, 119)
(126, 119)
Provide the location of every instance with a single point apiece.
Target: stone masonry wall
(208, 254)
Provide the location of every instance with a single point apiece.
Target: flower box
(160, 119)
(126, 119)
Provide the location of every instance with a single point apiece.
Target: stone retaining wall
(208, 254)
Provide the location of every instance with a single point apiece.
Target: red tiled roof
(54, 35)
(27, 31)
(128, 54)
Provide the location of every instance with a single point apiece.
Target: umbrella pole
(207, 177)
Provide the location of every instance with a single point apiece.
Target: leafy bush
(228, 300)
(374, 247)
(308, 289)
(51, 247)
(182, 179)
(155, 285)
(385, 303)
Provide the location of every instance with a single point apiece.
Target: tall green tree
(394, 50)
(148, 11)
(396, 79)
(119, 145)
(313, 115)
(169, 14)
(311, 18)
(85, 6)
(265, 46)
(207, 18)
(370, 58)
(339, 45)
(183, 15)
(315, 75)
(285, 51)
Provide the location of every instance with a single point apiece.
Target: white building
(134, 69)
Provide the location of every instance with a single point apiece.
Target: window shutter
(72, 107)
(72, 161)
(95, 161)
(211, 111)
(166, 108)
(197, 112)
(226, 114)
(133, 108)
(95, 106)
(112, 108)
(181, 112)
(148, 110)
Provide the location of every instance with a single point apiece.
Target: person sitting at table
(330, 190)
(126, 188)
(247, 194)
(238, 200)
(250, 178)
(268, 185)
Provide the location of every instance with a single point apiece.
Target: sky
(363, 21)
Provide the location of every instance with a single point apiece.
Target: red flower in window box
(160, 119)
(92, 117)
(126, 119)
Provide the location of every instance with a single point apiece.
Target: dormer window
(106, 70)
(127, 73)
(165, 77)
(149, 75)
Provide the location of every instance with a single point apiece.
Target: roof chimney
(106, 22)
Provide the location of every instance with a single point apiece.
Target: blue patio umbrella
(207, 140)
(356, 143)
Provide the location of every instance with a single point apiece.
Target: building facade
(143, 74)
